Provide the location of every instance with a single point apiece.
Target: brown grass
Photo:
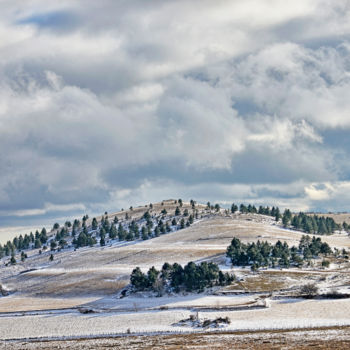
(18, 304)
(262, 283)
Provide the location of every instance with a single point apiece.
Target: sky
(112, 103)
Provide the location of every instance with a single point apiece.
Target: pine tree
(121, 232)
(182, 223)
(94, 224)
(13, 260)
(277, 214)
(130, 236)
(157, 231)
(193, 204)
(113, 232)
(138, 279)
(144, 233)
(287, 216)
(234, 208)
(37, 244)
(53, 245)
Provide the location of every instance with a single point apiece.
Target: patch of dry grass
(19, 304)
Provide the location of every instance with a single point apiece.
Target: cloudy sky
(111, 103)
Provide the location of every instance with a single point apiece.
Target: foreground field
(161, 315)
(336, 338)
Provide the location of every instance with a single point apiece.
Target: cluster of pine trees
(265, 254)
(313, 224)
(82, 234)
(26, 242)
(174, 277)
(244, 209)
(146, 228)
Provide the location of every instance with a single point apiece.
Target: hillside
(93, 270)
(92, 277)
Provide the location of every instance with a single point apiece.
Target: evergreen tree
(13, 260)
(138, 279)
(37, 244)
(23, 256)
(53, 245)
(121, 232)
(243, 209)
(43, 236)
(147, 216)
(193, 204)
(286, 218)
(144, 233)
(82, 240)
(113, 232)
(277, 214)
(94, 224)
(156, 231)
(182, 223)
(152, 276)
(234, 208)
(130, 236)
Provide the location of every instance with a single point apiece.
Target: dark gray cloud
(111, 103)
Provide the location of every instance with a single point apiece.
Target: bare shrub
(158, 286)
(86, 311)
(309, 290)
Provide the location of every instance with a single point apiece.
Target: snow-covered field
(280, 315)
